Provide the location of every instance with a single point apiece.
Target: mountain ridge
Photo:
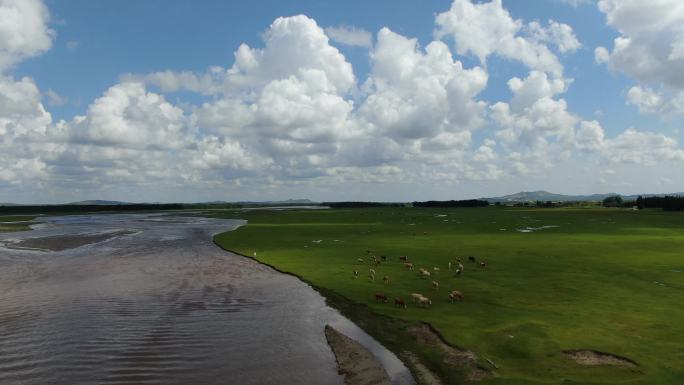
(541, 195)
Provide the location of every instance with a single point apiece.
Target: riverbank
(421, 348)
(9, 223)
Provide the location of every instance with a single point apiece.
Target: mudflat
(65, 242)
(355, 362)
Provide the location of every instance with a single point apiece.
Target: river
(154, 301)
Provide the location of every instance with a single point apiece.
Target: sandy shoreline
(355, 362)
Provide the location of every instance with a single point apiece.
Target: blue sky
(610, 125)
(177, 35)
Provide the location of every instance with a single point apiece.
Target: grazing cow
(424, 273)
(386, 280)
(371, 271)
(483, 265)
(356, 274)
(435, 285)
(471, 259)
(435, 269)
(381, 297)
(399, 302)
(403, 258)
(415, 297)
(359, 260)
(383, 258)
(455, 295)
(408, 265)
(424, 301)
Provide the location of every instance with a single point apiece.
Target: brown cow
(386, 280)
(403, 258)
(408, 265)
(380, 297)
(455, 295)
(435, 285)
(399, 302)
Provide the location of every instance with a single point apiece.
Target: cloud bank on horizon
(291, 114)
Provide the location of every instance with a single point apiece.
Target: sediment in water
(64, 242)
(355, 362)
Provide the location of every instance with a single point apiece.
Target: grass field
(605, 279)
(15, 222)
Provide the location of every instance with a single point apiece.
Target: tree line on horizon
(667, 203)
(453, 203)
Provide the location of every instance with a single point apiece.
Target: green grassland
(15, 222)
(611, 280)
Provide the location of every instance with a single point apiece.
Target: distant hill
(9, 204)
(533, 196)
(285, 202)
(97, 202)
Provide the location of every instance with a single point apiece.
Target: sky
(177, 101)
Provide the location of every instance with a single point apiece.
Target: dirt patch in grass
(453, 356)
(593, 358)
(355, 362)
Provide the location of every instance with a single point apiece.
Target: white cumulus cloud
(650, 49)
(24, 30)
(483, 29)
(351, 36)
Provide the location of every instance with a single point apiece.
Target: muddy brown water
(160, 304)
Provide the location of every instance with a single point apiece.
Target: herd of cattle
(416, 298)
